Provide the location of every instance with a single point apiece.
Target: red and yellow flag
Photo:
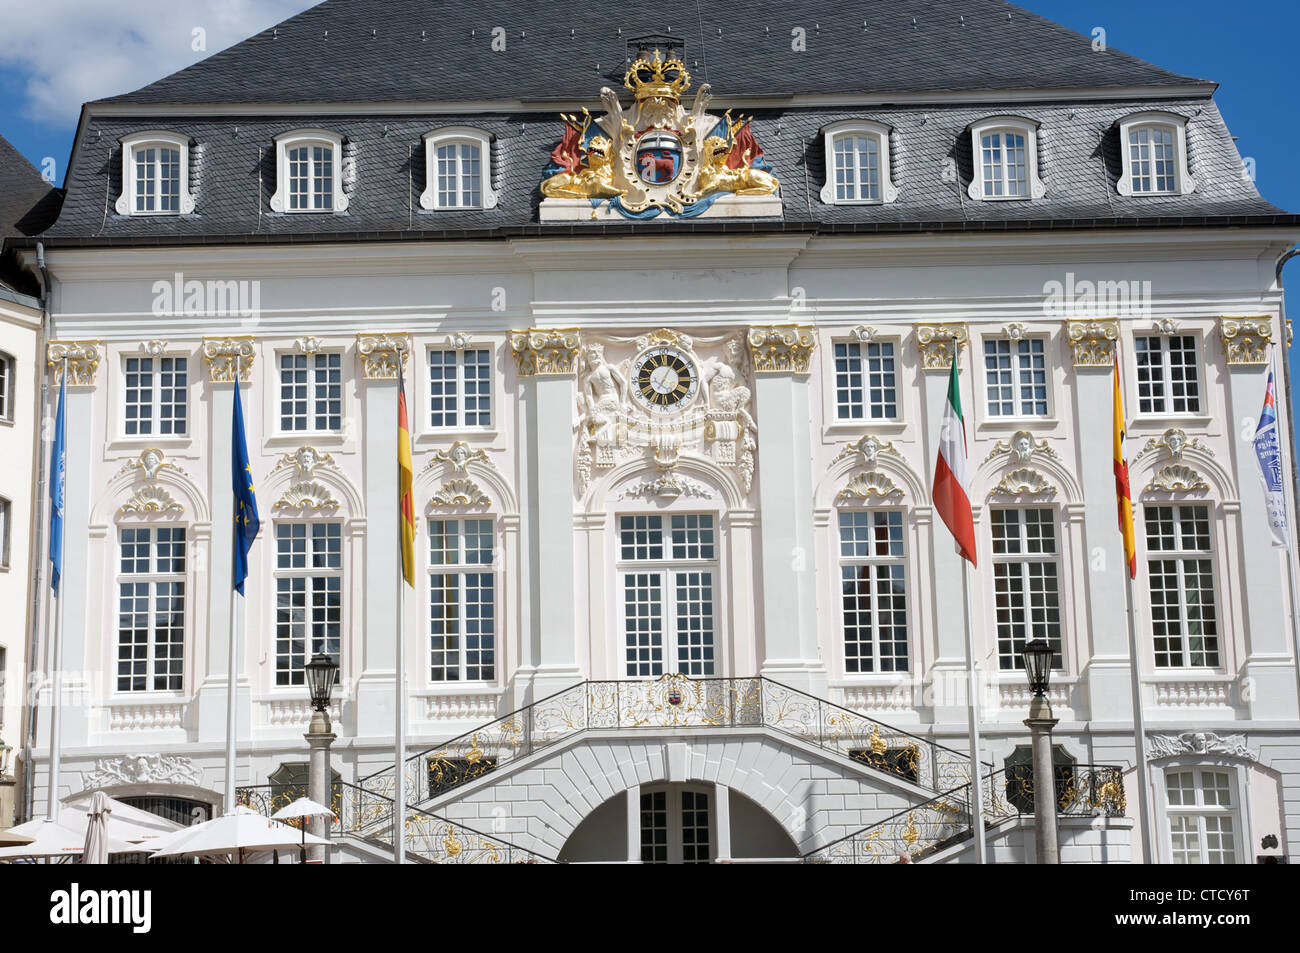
(1123, 494)
(406, 498)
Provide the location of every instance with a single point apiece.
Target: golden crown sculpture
(657, 78)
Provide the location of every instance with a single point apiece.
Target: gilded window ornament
(153, 348)
(305, 460)
(867, 450)
(461, 491)
(308, 345)
(939, 343)
(224, 354)
(1172, 443)
(1176, 478)
(151, 498)
(149, 463)
(82, 361)
(1021, 448)
(869, 485)
(864, 334)
(383, 354)
(1092, 343)
(459, 455)
(545, 352)
(781, 348)
(307, 496)
(1246, 340)
(1167, 326)
(1024, 481)
(1014, 332)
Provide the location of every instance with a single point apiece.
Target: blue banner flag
(246, 522)
(1268, 452)
(58, 486)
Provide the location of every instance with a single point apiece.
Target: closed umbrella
(303, 808)
(96, 846)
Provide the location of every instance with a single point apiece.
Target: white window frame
(667, 568)
(1181, 556)
(1018, 401)
(674, 807)
(1238, 810)
(1035, 189)
(151, 578)
(1031, 629)
(156, 401)
(1184, 184)
(460, 568)
(307, 137)
(8, 387)
(1166, 377)
(309, 572)
(449, 135)
(313, 398)
(863, 372)
(6, 527)
(873, 562)
(143, 140)
(460, 383)
(858, 128)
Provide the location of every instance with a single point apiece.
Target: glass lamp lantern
(1037, 655)
(321, 673)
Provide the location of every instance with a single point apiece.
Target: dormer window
(1154, 150)
(457, 169)
(1006, 160)
(155, 175)
(309, 175)
(857, 164)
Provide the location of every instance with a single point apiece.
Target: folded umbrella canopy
(237, 833)
(96, 849)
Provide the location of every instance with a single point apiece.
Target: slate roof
(440, 51)
(28, 205)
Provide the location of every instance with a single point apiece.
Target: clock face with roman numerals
(664, 379)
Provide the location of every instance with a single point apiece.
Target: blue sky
(56, 54)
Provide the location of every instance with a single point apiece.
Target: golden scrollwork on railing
(905, 838)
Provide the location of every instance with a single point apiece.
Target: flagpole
(399, 770)
(56, 661)
(232, 656)
(972, 717)
(1290, 529)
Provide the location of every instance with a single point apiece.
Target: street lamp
(1037, 655)
(322, 671)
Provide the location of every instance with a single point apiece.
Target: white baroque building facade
(681, 592)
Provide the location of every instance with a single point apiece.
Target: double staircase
(676, 703)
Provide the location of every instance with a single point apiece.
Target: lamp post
(322, 671)
(1037, 655)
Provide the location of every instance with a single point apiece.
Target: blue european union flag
(246, 522)
(58, 485)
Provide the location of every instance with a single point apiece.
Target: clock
(664, 379)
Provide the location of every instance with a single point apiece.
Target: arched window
(1203, 812)
(857, 164)
(308, 172)
(155, 175)
(1153, 147)
(1005, 150)
(458, 169)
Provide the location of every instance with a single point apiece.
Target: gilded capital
(82, 359)
(1092, 343)
(777, 348)
(224, 355)
(1246, 340)
(545, 352)
(383, 354)
(939, 343)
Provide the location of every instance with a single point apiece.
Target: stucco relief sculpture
(142, 769)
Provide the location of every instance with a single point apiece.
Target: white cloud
(74, 51)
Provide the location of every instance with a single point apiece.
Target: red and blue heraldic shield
(658, 157)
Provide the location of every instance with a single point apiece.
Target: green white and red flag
(951, 474)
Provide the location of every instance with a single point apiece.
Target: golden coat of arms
(657, 156)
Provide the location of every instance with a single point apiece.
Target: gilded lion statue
(714, 176)
(594, 180)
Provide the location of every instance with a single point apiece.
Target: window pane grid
(1025, 584)
(460, 175)
(659, 598)
(1015, 374)
(151, 610)
(460, 388)
(874, 591)
(1006, 170)
(311, 177)
(1202, 816)
(1180, 571)
(1151, 159)
(311, 392)
(309, 597)
(857, 168)
(462, 601)
(1167, 374)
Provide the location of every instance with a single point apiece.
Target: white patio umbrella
(96, 845)
(131, 824)
(304, 807)
(237, 833)
(55, 840)
(10, 839)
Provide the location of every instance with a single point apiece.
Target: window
(874, 587)
(1153, 149)
(309, 174)
(155, 175)
(668, 593)
(857, 164)
(308, 596)
(6, 387)
(866, 382)
(458, 169)
(1167, 374)
(1005, 160)
(462, 601)
(675, 826)
(1015, 376)
(1025, 585)
(1181, 572)
(460, 388)
(311, 392)
(6, 518)
(1018, 774)
(156, 396)
(1202, 811)
(151, 609)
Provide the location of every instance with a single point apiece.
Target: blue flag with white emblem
(58, 485)
(1268, 453)
(246, 522)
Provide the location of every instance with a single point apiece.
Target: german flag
(1123, 493)
(406, 498)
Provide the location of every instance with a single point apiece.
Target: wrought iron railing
(916, 832)
(678, 702)
(364, 812)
